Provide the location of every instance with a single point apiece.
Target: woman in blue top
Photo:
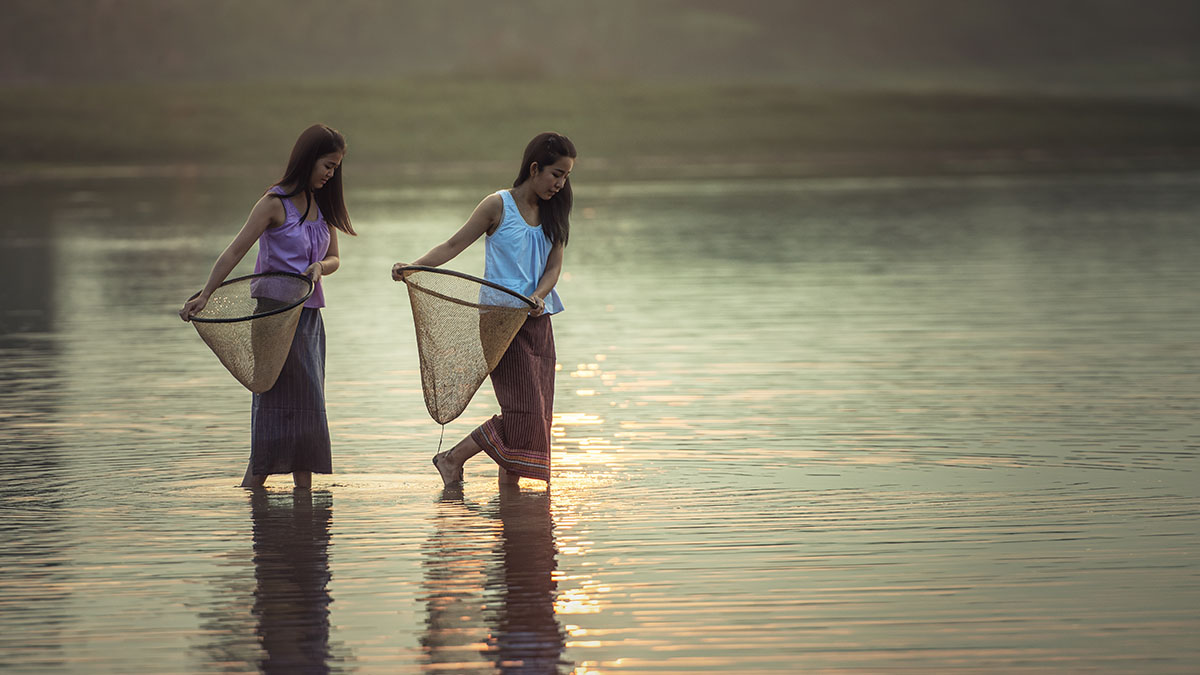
(526, 230)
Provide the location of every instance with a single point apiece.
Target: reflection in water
(35, 596)
(34, 491)
(953, 429)
(526, 635)
(291, 566)
(454, 578)
(500, 603)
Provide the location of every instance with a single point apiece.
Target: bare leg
(450, 463)
(251, 480)
(506, 478)
(302, 479)
(508, 490)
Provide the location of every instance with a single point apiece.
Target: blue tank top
(515, 254)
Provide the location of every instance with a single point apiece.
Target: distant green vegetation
(1114, 46)
(637, 127)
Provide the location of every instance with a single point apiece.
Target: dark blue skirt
(288, 428)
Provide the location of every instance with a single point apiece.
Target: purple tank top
(294, 245)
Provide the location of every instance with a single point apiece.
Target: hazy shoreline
(434, 130)
(376, 174)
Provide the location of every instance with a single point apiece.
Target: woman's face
(548, 180)
(324, 168)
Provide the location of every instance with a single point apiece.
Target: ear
(533, 168)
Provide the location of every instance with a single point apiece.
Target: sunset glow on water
(937, 424)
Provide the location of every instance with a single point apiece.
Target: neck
(292, 188)
(522, 193)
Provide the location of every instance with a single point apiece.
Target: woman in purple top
(295, 224)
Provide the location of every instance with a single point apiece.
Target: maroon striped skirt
(519, 437)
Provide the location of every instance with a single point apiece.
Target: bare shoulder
(489, 213)
(492, 205)
(270, 208)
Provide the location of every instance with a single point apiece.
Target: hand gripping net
(464, 325)
(249, 323)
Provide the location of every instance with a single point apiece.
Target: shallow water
(802, 425)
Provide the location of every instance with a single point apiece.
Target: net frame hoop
(311, 288)
(468, 277)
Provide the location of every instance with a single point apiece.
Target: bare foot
(453, 493)
(450, 474)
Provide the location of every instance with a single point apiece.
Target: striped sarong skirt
(288, 428)
(518, 439)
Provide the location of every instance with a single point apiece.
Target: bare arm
(266, 213)
(485, 217)
(549, 278)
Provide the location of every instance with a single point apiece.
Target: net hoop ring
(468, 277)
(280, 310)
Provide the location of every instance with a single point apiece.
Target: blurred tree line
(1150, 46)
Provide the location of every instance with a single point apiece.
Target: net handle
(307, 295)
(461, 275)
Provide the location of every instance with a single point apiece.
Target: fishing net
(464, 325)
(249, 323)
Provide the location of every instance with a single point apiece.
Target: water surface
(801, 425)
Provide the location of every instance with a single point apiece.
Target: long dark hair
(316, 142)
(546, 149)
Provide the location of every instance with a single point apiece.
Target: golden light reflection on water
(574, 448)
(855, 486)
(576, 601)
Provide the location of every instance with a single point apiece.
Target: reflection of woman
(291, 567)
(454, 575)
(505, 601)
(526, 635)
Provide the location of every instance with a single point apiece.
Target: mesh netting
(464, 325)
(249, 323)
